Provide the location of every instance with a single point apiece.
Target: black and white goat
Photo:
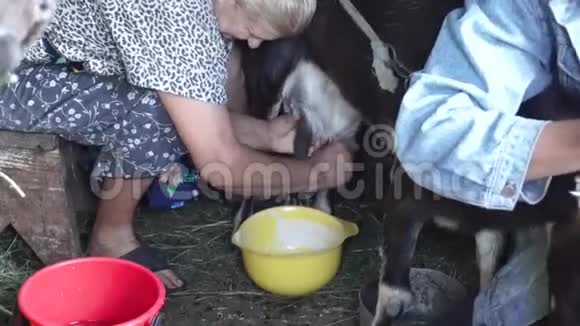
(325, 75)
(328, 66)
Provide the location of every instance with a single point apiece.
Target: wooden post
(44, 166)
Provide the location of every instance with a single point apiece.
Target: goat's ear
(266, 68)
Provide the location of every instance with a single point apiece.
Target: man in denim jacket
(458, 121)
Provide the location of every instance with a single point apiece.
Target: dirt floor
(196, 238)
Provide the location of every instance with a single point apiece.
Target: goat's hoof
(383, 321)
(391, 304)
(394, 307)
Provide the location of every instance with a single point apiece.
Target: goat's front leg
(490, 245)
(401, 231)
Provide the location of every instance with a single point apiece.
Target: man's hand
(557, 150)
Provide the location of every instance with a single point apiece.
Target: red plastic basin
(102, 290)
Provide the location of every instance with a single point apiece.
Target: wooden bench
(56, 190)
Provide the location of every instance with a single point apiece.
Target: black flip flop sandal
(151, 258)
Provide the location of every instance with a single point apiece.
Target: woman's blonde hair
(287, 17)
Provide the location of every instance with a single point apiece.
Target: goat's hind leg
(490, 245)
(242, 212)
(564, 274)
(323, 202)
(302, 143)
(401, 231)
(320, 200)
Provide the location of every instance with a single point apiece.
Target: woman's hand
(282, 131)
(334, 162)
(227, 164)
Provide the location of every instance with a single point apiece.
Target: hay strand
(340, 321)
(5, 311)
(13, 184)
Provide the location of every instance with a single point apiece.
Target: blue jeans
(518, 295)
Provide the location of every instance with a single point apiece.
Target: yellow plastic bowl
(292, 250)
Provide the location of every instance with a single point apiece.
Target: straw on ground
(14, 268)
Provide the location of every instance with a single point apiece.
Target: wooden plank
(29, 160)
(11, 139)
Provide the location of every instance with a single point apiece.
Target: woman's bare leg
(113, 233)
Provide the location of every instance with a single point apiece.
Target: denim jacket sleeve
(457, 131)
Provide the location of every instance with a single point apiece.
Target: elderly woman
(147, 81)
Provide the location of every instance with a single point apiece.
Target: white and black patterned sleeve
(172, 45)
